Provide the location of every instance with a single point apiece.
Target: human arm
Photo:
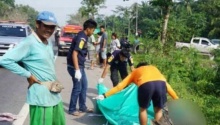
(118, 45)
(109, 63)
(105, 71)
(18, 54)
(171, 92)
(132, 68)
(75, 59)
(131, 63)
(125, 82)
(77, 48)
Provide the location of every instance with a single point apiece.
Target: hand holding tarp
(100, 80)
(99, 97)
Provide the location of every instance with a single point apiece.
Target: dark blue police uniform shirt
(79, 43)
(114, 59)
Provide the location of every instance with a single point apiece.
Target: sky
(63, 8)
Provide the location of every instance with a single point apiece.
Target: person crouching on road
(151, 84)
(75, 59)
(36, 54)
(117, 62)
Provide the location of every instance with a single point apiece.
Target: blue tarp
(122, 108)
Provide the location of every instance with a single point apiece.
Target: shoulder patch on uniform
(110, 58)
(83, 39)
(81, 44)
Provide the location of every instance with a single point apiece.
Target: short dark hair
(102, 26)
(125, 53)
(38, 21)
(90, 23)
(115, 35)
(142, 64)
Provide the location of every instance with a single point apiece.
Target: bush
(191, 76)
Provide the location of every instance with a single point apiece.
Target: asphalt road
(12, 92)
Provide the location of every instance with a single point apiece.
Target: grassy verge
(191, 75)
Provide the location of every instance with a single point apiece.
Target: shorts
(92, 54)
(97, 48)
(103, 53)
(155, 91)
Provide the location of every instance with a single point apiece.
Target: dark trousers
(100, 58)
(122, 68)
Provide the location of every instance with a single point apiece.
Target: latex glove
(78, 74)
(100, 80)
(99, 97)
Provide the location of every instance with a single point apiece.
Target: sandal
(88, 110)
(76, 113)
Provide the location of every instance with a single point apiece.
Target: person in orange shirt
(151, 84)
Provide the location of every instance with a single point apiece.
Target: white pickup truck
(203, 45)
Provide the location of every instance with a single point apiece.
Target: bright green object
(122, 108)
(53, 115)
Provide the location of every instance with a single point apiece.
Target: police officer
(75, 60)
(117, 62)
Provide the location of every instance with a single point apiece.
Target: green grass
(191, 75)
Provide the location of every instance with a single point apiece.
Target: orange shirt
(140, 76)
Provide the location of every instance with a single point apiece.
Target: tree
(8, 2)
(30, 12)
(90, 7)
(78, 18)
(4, 9)
(165, 6)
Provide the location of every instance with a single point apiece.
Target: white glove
(99, 97)
(78, 74)
(100, 80)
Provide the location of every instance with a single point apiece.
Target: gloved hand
(100, 80)
(99, 97)
(78, 74)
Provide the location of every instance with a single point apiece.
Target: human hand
(31, 80)
(100, 80)
(99, 97)
(78, 74)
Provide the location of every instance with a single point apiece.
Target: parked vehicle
(67, 34)
(11, 33)
(215, 41)
(203, 45)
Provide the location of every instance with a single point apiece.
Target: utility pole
(136, 33)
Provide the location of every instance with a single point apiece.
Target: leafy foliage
(192, 76)
(10, 11)
(90, 7)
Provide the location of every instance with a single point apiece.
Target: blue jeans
(78, 91)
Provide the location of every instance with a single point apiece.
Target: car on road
(67, 34)
(11, 33)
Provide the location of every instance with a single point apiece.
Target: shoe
(76, 113)
(88, 110)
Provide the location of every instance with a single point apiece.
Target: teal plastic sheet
(122, 108)
(96, 31)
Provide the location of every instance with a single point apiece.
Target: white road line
(22, 115)
(25, 110)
